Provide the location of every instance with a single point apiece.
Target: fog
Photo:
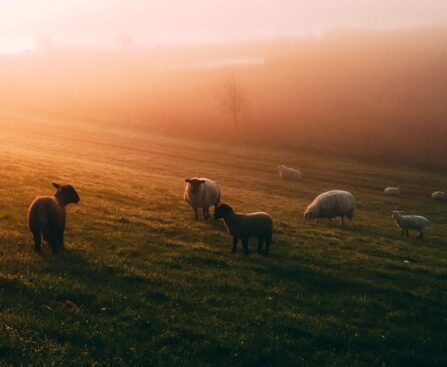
(370, 93)
(117, 24)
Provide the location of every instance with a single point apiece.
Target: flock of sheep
(416, 222)
(46, 217)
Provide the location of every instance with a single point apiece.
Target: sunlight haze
(223, 183)
(123, 24)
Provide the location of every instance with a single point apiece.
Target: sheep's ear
(188, 180)
(56, 185)
(202, 181)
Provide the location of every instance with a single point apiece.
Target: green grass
(152, 287)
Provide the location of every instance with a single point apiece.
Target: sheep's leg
(245, 246)
(235, 242)
(406, 231)
(208, 212)
(268, 241)
(402, 231)
(421, 235)
(37, 241)
(342, 221)
(205, 213)
(53, 243)
(260, 243)
(45, 234)
(216, 204)
(196, 216)
(61, 240)
(317, 220)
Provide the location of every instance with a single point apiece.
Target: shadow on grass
(153, 314)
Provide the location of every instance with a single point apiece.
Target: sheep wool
(201, 193)
(288, 173)
(439, 195)
(392, 191)
(407, 222)
(46, 217)
(243, 226)
(331, 204)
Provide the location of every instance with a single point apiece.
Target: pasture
(141, 283)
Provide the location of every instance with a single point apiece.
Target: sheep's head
(195, 184)
(66, 193)
(222, 211)
(396, 213)
(310, 213)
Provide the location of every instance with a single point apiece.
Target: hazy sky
(123, 23)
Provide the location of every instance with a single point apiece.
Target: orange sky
(127, 23)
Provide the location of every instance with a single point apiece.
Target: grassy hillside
(141, 283)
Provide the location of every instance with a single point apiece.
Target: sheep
(242, 226)
(288, 173)
(392, 191)
(439, 195)
(406, 222)
(331, 204)
(201, 193)
(46, 217)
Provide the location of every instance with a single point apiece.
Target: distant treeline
(377, 94)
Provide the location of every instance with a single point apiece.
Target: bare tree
(231, 99)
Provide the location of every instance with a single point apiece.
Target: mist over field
(358, 93)
(203, 183)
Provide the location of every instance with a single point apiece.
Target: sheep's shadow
(71, 276)
(12, 289)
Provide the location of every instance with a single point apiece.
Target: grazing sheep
(331, 204)
(406, 222)
(201, 193)
(242, 226)
(439, 195)
(288, 173)
(46, 217)
(392, 191)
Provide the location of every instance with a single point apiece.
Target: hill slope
(147, 285)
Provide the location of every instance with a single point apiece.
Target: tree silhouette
(231, 99)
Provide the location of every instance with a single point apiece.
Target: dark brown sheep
(46, 217)
(243, 226)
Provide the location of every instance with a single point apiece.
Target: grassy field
(142, 284)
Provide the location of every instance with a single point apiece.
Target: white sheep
(392, 191)
(331, 204)
(406, 222)
(288, 173)
(439, 195)
(46, 217)
(201, 193)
